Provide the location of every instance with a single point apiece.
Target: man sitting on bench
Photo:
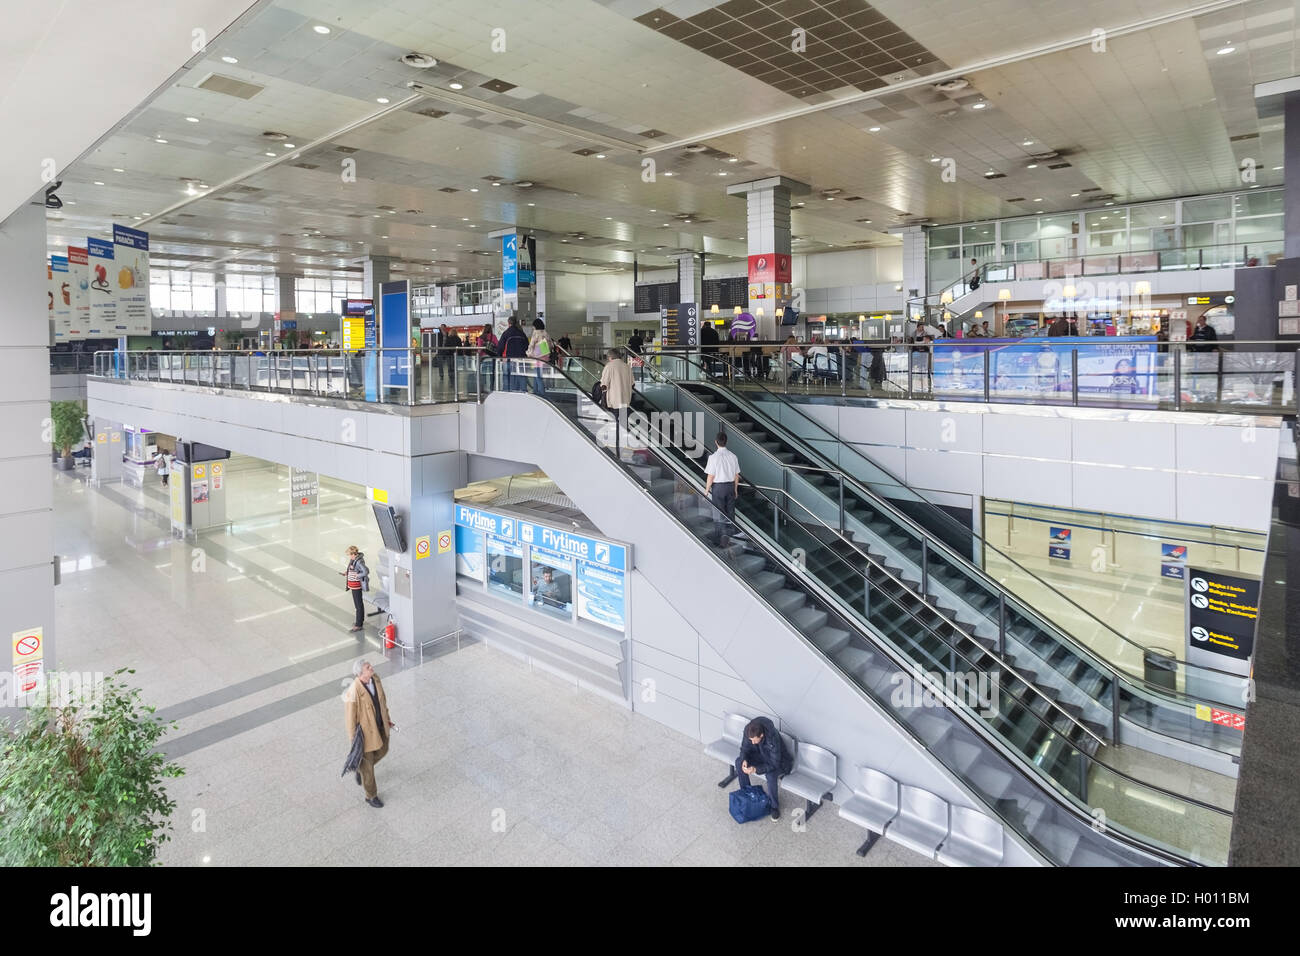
(763, 751)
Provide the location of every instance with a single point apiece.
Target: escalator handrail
(966, 563)
(1015, 760)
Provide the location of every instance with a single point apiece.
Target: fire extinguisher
(390, 634)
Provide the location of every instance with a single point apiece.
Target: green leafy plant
(81, 782)
(69, 425)
(289, 340)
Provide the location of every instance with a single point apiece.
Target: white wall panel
(1131, 491)
(1022, 479)
(1225, 501)
(945, 471)
(1131, 444)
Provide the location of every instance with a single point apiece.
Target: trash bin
(1160, 668)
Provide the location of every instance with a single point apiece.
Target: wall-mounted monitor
(389, 529)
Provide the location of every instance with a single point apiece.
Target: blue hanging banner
(510, 264)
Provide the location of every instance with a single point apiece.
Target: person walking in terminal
(721, 485)
(513, 346)
(539, 349)
(974, 275)
(1204, 336)
(358, 580)
(763, 751)
(164, 467)
(616, 381)
(635, 344)
(366, 706)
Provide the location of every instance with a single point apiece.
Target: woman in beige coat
(359, 708)
(616, 379)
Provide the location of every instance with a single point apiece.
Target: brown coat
(357, 706)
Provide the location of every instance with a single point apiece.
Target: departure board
(726, 293)
(651, 297)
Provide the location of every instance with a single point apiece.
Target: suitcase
(748, 803)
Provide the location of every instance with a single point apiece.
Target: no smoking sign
(28, 645)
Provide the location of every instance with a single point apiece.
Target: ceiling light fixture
(1031, 166)
(1039, 199)
(1028, 142)
(191, 119)
(733, 159)
(455, 86)
(272, 155)
(473, 189)
(289, 146)
(381, 99)
(532, 204)
(1225, 51)
(321, 29)
(978, 106)
(229, 59)
(600, 155)
(667, 174)
(116, 170)
(873, 129)
(98, 183)
(1074, 195)
(161, 140)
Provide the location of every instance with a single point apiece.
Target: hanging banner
(527, 262)
(61, 295)
(131, 262)
(79, 281)
(103, 303)
(510, 265)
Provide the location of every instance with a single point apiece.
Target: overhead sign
(103, 301)
(1222, 614)
(131, 265)
(573, 545)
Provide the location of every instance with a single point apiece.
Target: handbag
(748, 803)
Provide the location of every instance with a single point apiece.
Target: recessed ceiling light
(1039, 199)
(1256, 186)
(383, 237)
(564, 240)
(1276, 168)
(472, 226)
(1031, 166)
(464, 218)
(1225, 50)
(392, 212)
(609, 218)
(1028, 142)
(191, 119)
(381, 99)
(873, 129)
(667, 174)
(473, 189)
(1107, 217)
(432, 226)
(98, 183)
(161, 140)
(532, 204)
(733, 159)
(665, 225)
(799, 203)
(1074, 195)
(270, 154)
(1110, 204)
(496, 184)
(116, 170)
(600, 155)
(934, 159)
(289, 146)
(456, 86)
(979, 106)
(829, 198)
(229, 59)
(321, 28)
(1162, 217)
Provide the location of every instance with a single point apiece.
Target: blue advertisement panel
(601, 595)
(527, 263)
(1059, 546)
(502, 526)
(510, 264)
(395, 333)
(505, 566)
(470, 561)
(551, 582)
(1040, 368)
(573, 545)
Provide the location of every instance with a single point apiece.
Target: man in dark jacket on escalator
(762, 751)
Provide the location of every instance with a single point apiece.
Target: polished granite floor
(241, 638)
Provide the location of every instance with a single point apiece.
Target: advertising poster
(131, 278)
(103, 303)
(527, 263)
(1222, 612)
(1173, 560)
(601, 595)
(1123, 367)
(1059, 545)
(79, 280)
(199, 491)
(61, 296)
(469, 553)
(510, 265)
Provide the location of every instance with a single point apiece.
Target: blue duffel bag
(748, 803)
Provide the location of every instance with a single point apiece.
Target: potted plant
(68, 430)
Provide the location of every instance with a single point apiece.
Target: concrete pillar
(375, 271)
(26, 508)
(286, 299)
(422, 592)
(1291, 174)
(768, 219)
(520, 278)
(914, 261)
(689, 278)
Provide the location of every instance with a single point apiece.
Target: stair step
(767, 581)
(786, 600)
(830, 639)
(809, 619)
(660, 487)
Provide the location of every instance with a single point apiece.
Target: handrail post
(1178, 378)
(925, 567)
(1114, 707)
(841, 503)
(1074, 376)
(986, 374)
(910, 354)
(1002, 623)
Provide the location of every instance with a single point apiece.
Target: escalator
(1026, 753)
(869, 510)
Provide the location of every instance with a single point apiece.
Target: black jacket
(770, 753)
(513, 343)
(1204, 334)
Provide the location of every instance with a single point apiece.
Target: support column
(422, 592)
(914, 261)
(26, 508)
(375, 271)
(1278, 316)
(768, 217)
(1291, 174)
